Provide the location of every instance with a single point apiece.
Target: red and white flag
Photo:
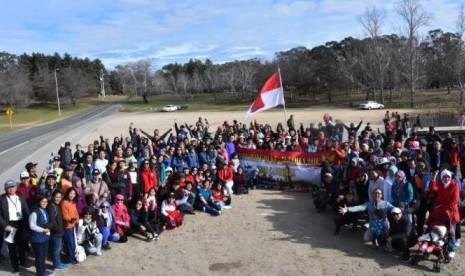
(270, 95)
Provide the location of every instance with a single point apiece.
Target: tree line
(377, 64)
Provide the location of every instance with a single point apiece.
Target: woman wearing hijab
(402, 191)
(447, 195)
(39, 222)
(81, 191)
(388, 181)
(122, 218)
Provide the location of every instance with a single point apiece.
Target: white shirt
(14, 207)
(101, 165)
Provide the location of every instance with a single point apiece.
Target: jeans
(55, 246)
(70, 244)
(219, 204)
(211, 209)
(108, 236)
(96, 244)
(40, 252)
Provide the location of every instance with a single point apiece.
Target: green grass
(39, 113)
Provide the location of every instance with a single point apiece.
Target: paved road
(20, 147)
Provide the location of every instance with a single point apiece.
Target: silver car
(370, 105)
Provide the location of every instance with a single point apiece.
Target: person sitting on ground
(254, 179)
(205, 199)
(150, 204)
(219, 198)
(140, 223)
(350, 219)
(240, 182)
(379, 227)
(169, 215)
(400, 230)
(122, 218)
(107, 226)
(88, 234)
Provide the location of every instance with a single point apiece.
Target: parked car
(169, 108)
(370, 105)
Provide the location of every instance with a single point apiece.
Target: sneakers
(457, 242)
(227, 207)
(451, 254)
(25, 266)
(49, 273)
(155, 237)
(149, 237)
(61, 267)
(106, 246)
(98, 253)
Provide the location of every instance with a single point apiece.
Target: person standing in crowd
(65, 155)
(446, 199)
(26, 189)
(14, 213)
(148, 177)
(39, 223)
(70, 219)
(56, 230)
(31, 168)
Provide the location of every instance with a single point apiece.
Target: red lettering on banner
(297, 158)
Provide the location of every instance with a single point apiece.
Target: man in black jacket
(14, 214)
(400, 229)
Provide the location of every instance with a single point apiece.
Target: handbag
(79, 252)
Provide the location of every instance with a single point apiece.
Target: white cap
(24, 174)
(396, 210)
(169, 169)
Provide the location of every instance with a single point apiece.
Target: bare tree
(459, 62)
(140, 71)
(75, 84)
(377, 53)
(412, 14)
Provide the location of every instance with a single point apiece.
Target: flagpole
(284, 102)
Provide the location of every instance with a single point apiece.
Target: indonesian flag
(271, 95)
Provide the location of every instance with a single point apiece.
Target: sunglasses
(377, 193)
(104, 207)
(120, 200)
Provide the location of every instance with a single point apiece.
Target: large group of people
(146, 183)
(403, 185)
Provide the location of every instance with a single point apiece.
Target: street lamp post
(58, 95)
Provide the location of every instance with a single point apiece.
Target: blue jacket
(43, 220)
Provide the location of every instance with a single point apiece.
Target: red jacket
(225, 174)
(148, 179)
(447, 199)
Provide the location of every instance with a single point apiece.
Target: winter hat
(119, 197)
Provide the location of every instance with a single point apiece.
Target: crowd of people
(145, 183)
(400, 183)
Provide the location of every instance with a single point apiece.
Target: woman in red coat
(122, 218)
(447, 195)
(148, 177)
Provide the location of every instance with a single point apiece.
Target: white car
(370, 105)
(169, 108)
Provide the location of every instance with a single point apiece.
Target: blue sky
(121, 31)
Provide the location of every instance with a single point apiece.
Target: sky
(122, 31)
